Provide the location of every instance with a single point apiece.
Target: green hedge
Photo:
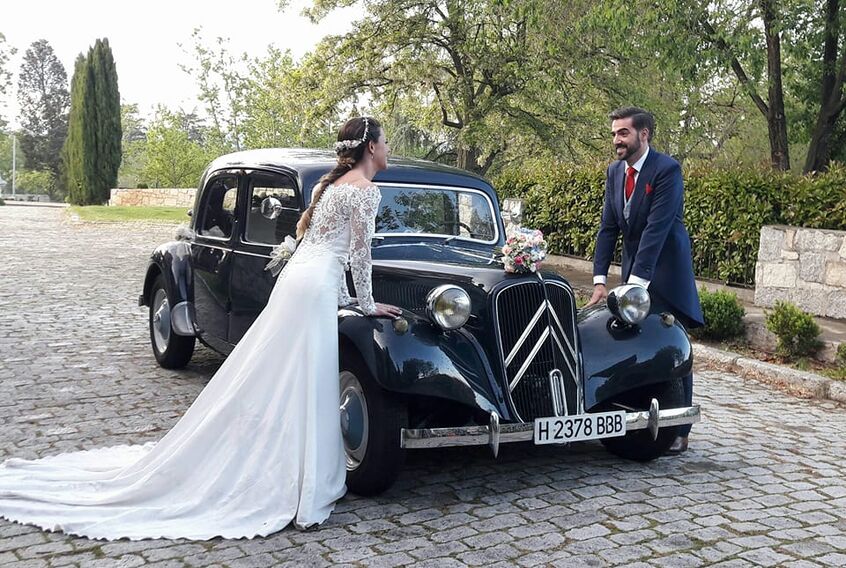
(724, 209)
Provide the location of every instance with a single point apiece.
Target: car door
(264, 228)
(216, 228)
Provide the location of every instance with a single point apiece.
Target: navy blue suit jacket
(656, 245)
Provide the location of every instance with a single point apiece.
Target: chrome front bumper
(495, 433)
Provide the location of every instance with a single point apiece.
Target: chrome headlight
(448, 306)
(630, 303)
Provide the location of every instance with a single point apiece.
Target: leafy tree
(91, 154)
(172, 158)
(36, 181)
(816, 54)
(222, 83)
(6, 52)
(133, 147)
(6, 158)
(79, 150)
(465, 58)
(44, 100)
(106, 101)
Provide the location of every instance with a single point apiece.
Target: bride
(261, 446)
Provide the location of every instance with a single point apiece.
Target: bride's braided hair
(352, 140)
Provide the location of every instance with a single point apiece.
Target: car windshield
(448, 212)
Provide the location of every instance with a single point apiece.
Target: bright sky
(144, 36)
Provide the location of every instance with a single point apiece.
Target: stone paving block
(750, 484)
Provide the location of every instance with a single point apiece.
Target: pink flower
(518, 260)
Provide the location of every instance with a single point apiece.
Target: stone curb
(797, 382)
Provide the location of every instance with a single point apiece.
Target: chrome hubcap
(161, 321)
(354, 419)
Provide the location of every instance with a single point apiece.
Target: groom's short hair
(641, 118)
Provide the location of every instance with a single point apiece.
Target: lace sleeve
(363, 207)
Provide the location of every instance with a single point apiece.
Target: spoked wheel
(371, 420)
(172, 351)
(638, 445)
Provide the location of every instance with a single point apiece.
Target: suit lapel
(645, 176)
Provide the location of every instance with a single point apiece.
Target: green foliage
(172, 158)
(565, 202)
(31, 181)
(6, 157)
(723, 315)
(92, 151)
(796, 330)
(6, 52)
(2, 201)
(133, 147)
(79, 148)
(43, 99)
(840, 358)
(108, 128)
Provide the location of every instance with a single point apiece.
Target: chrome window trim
(267, 256)
(202, 244)
(438, 235)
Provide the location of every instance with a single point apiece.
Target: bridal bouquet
(524, 250)
(281, 254)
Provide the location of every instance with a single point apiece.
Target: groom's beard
(630, 150)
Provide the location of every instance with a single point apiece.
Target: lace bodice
(343, 225)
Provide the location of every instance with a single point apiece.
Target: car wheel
(371, 419)
(638, 445)
(172, 351)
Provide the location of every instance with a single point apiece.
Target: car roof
(310, 164)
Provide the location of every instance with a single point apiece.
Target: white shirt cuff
(638, 280)
(599, 279)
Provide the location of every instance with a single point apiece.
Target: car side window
(274, 208)
(218, 207)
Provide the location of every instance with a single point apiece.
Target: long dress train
(261, 445)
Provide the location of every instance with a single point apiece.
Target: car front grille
(537, 337)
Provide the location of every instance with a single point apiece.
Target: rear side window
(274, 208)
(218, 207)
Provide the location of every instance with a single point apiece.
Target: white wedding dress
(260, 447)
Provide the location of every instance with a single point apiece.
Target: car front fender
(619, 358)
(412, 356)
(173, 261)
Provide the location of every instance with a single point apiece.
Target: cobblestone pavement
(764, 482)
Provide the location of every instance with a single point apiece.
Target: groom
(644, 201)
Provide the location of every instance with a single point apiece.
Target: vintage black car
(479, 356)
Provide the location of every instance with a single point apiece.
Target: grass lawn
(105, 213)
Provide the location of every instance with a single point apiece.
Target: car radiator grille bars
(537, 337)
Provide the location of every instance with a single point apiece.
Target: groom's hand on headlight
(600, 292)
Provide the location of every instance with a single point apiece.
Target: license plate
(563, 429)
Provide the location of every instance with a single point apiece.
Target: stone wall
(804, 266)
(154, 197)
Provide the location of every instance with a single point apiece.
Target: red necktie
(630, 182)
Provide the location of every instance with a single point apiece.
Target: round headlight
(629, 303)
(448, 306)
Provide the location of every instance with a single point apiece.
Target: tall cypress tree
(108, 129)
(91, 154)
(78, 146)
